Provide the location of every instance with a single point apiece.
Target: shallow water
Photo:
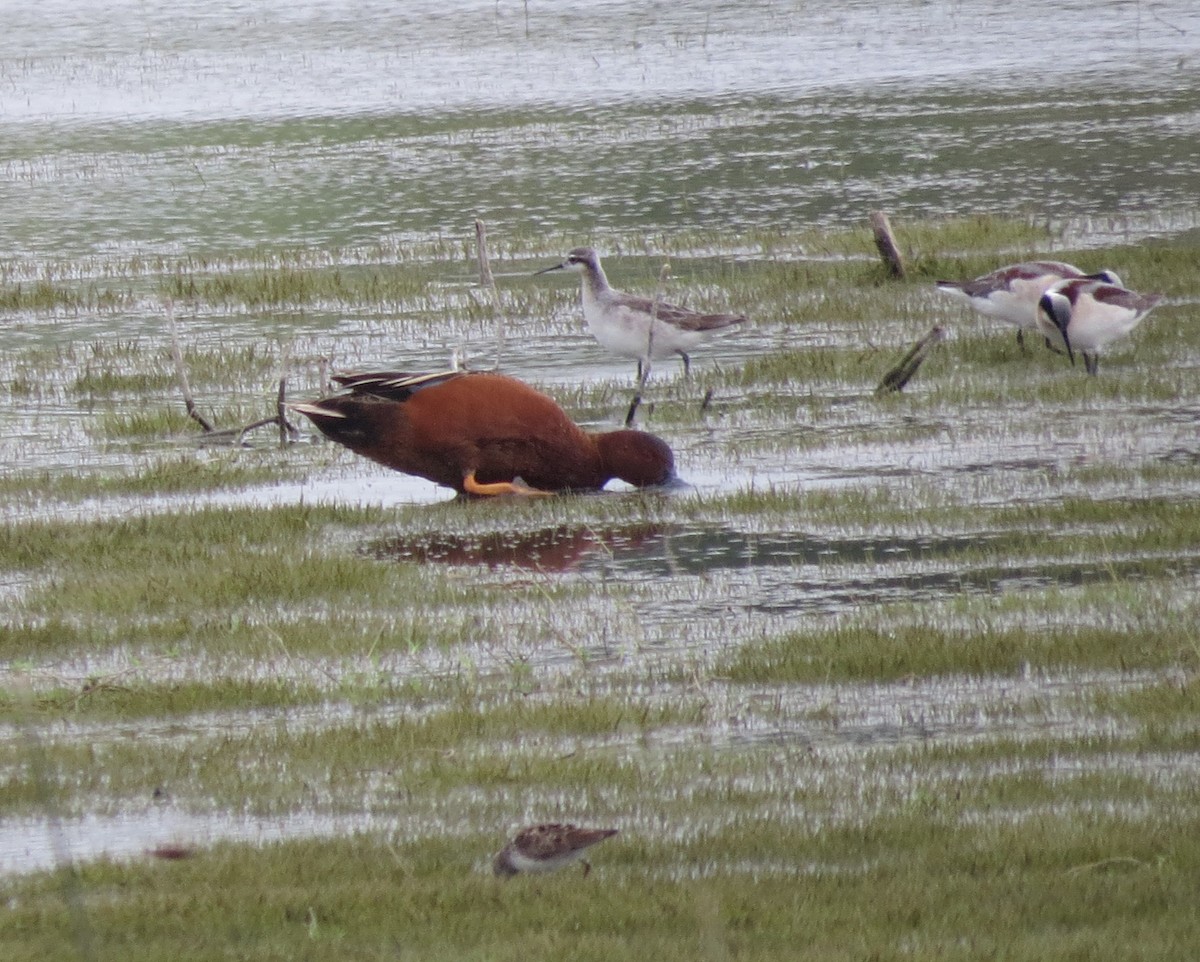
(139, 128)
(357, 130)
(871, 721)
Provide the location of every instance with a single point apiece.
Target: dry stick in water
(488, 281)
(663, 275)
(181, 371)
(287, 430)
(885, 242)
(902, 373)
(481, 251)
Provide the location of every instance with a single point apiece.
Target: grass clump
(120, 696)
(290, 285)
(865, 651)
(170, 473)
(1170, 706)
(46, 297)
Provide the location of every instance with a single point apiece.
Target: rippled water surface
(198, 127)
(357, 131)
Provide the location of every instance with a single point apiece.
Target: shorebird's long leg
(687, 364)
(633, 407)
(471, 486)
(643, 377)
(1021, 341)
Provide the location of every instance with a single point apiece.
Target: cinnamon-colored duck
(482, 433)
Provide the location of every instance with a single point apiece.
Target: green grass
(112, 697)
(867, 652)
(158, 473)
(46, 296)
(1097, 888)
(928, 697)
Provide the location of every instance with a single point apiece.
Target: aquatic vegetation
(921, 648)
(898, 677)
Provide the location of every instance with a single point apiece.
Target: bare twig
(1166, 23)
(487, 280)
(181, 372)
(644, 366)
(287, 430)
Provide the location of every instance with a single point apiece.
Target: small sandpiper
(1086, 315)
(1011, 293)
(544, 848)
(621, 322)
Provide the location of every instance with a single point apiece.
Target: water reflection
(34, 844)
(776, 573)
(558, 549)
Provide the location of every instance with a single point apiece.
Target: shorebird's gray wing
(677, 316)
(691, 321)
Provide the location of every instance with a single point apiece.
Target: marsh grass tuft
(865, 652)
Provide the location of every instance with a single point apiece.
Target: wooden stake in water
(885, 242)
(902, 373)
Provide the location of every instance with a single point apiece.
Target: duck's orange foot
(516, 486)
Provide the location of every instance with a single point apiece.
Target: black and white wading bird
(1011, 293)
(1086, 315)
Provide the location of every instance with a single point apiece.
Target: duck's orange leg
(471, 486)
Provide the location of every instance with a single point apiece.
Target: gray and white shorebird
(621, 322)
(1086, 315)
(545, 848)
(1011, 293)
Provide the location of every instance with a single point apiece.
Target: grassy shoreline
(914, 677)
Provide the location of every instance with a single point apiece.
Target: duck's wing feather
(392, 385)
